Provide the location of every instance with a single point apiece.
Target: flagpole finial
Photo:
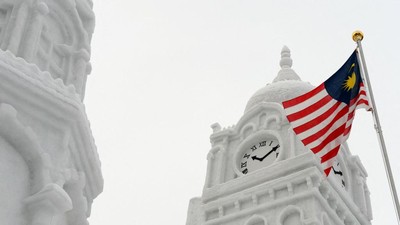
(358, 35)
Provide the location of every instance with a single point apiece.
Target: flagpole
(357, 37)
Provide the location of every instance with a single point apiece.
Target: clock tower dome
(259, 173)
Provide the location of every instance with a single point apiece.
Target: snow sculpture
(258, 172)
(49, 167)
(53, 34)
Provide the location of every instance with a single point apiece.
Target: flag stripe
(332, 153)
(317, 105)
(304, 97)
(332, 136)
(323, 123)
(327, 171)
(313, 114)
(324, 130)
(314, 122)
(363, 102)
(347, 131)
(310, 101)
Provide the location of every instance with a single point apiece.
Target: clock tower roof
(286, 85)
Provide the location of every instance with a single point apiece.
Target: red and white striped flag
(322, 118)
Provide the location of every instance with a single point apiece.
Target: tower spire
(286, 72)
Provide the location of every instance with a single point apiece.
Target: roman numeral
(246, 156)
(253, 148)
(245, 171)
(271, 143)
(242, 165)
(263, 143)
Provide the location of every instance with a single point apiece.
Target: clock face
(259, 154)
(337, 172)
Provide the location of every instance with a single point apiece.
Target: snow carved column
(361, 194)
(17, 32)
(74, 188)
(81, 68)
(211, 176)
(34, 30)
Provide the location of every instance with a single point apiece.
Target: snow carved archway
(291, 215)
(256, 220)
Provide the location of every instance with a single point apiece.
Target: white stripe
(323, 123)
(320, 139)
(314, 114)
(339, 140)
(306, 103)
(328, 163)
(349, 122)
(363, 105)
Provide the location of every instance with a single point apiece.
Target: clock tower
(260, 173)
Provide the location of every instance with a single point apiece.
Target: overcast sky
(164, 71)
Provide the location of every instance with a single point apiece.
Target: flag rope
(357, 37)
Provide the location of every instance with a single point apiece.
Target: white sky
(164, 71)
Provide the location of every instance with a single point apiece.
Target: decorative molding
(291, 186)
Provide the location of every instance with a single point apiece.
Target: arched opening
(256, 220)
(291, 215)
(292, 219)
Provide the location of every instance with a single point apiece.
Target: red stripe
(304, 112)
(332, 136)
(332, 153)
(361, 92)
(302, 98)
(312, 123)
(347, 130)
(351, 115)
(327, 171)
(321, 132)
(363, 101)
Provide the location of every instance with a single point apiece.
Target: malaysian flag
(322, 118)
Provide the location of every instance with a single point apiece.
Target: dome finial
(286, 72)
(286, 61)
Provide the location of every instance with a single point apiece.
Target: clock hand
(337, 172)
(266, 155)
